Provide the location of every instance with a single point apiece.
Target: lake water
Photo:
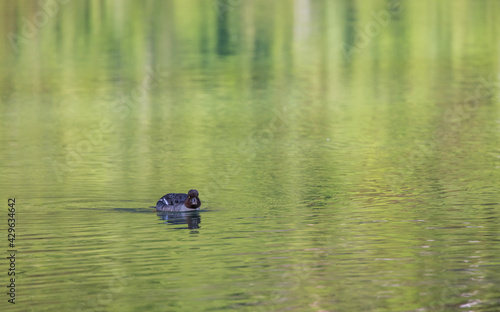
(346, 154)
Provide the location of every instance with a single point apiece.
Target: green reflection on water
(346, 153)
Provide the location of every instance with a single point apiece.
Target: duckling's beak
(193, 201)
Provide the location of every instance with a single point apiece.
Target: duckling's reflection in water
(191, 218)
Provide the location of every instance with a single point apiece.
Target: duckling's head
(192, 201)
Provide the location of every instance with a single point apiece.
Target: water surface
(346, 154)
